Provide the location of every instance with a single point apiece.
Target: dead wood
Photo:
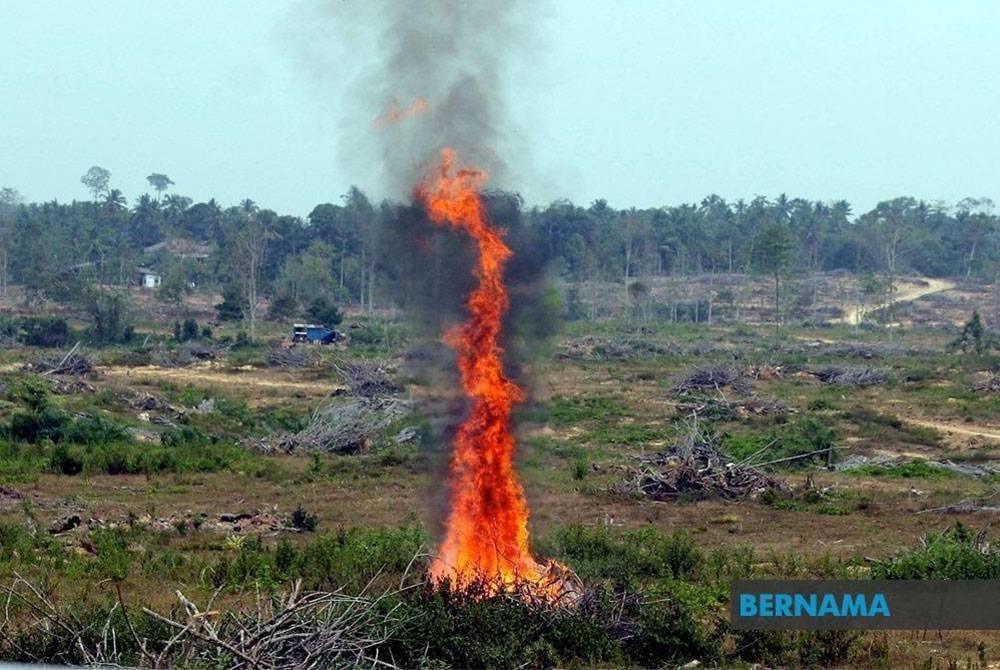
(344, 428)
(854, 377)
(713, 379)
(291, 357)
(72, 364)
(367, 379)
(694, 467)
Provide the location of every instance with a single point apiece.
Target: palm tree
(248, 206)
(115, 201)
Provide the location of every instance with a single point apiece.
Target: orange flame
(394, 114)
(486, 535)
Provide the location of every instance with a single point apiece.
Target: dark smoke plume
(452, 54)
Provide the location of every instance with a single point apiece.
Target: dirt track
(975, 431)
(854, 314)
(211, 376)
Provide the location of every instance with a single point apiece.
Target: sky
(644, 103)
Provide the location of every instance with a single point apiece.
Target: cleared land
(915, 449)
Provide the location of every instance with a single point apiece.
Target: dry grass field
(186, 472)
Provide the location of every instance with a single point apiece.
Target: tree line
(340, 253)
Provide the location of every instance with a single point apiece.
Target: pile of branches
(345, 428)
(990, 384)
(188, 353)
(292, 631)
(294, 357)
(713, 379)
(367, 379)
(597, 348)
(695, 468)
(73, 363)
(854, 377)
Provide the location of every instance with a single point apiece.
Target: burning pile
(486, 533)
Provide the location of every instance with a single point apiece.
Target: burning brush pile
(486, 533)
(695, 468)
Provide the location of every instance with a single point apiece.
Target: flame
(486, 534)
(394, 114)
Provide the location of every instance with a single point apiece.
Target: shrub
(953, 554)
(66, 459)
(46, 331)
(302, 520)
(93, 430)
(324, 311)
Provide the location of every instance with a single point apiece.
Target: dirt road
(976, 431)
(854, 314)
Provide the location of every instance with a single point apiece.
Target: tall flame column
(486, 535)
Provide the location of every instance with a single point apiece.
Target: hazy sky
(642, 103)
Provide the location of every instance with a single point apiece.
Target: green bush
(468, 628)
(629, 558)
(953, 554)
(46, 331)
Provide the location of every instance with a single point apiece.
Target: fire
(486, 535)
(394, 114)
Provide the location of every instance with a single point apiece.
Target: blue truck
(313, 334)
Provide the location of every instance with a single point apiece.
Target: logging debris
(717, 378)
(989, 384)
(855, 377)
(72, 364)
(291, 357)
(345, 428)
(696, 468)
(367, 379)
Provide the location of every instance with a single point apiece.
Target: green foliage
(629, 558)
(470, 629)
(796, 438)
(771, 252)
(232, 305)
(351, 556)
(575, 308)
(973, 336)
(909, 470)
(885, 427)
(45, 331)
(568, 410)
(188, 330)
(113, 553)
(45, 437)
(109, 312)
(953, 554)
(323, 310)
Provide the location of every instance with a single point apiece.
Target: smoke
(411, 77)
(450, 60)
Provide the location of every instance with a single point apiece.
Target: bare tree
(249, 245)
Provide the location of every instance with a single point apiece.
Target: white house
(149, 278)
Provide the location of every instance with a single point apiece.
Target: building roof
(147, 271)
(177, 246)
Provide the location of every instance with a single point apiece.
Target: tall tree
(96, 179)
(248, 247)
(771, 254)
(160, 182)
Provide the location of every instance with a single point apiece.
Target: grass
(572, 410)
(668, 567)
(910, 470)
